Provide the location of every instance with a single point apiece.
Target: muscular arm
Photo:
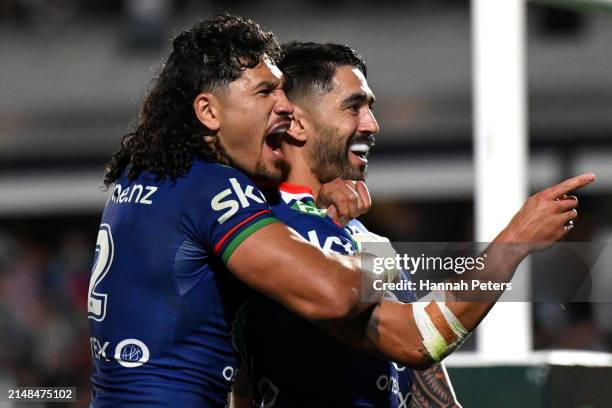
(390, 327)
(329, 288)
(320, 287)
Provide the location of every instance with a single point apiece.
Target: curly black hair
(204, 58)
(310, 66)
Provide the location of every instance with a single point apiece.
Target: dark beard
(261, 175)
(331, 159)
(265, 178)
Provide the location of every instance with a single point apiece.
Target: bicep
(279, 263)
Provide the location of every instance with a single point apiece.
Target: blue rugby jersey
(293, 363)
(161, 302)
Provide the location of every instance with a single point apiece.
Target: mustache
(366, 138)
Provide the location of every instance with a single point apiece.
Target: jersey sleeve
(222, 208)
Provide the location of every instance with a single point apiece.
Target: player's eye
(355, 107)
(266, 91)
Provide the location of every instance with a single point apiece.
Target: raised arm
(421, 333)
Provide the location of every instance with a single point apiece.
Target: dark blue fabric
(164, 303)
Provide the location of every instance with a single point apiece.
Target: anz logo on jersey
(137, 194)
(234, 198)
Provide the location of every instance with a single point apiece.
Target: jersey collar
(295, 192)
(295, 189)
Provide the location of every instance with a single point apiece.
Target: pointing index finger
(570, 184)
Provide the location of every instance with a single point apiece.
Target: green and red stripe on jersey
(234, 237)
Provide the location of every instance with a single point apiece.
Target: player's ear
(206, 110)
(297, 130)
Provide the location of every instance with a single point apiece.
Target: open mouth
(275, 136)
(359, 149)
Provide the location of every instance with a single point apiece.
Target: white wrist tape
(454, 323)
(433, 341)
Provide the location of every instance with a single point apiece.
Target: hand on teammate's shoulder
(344, 199)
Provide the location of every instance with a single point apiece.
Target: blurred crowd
(44, 276)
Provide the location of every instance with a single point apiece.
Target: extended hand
(546, 216)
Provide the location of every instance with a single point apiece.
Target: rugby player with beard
(330, 138)
(291, 363)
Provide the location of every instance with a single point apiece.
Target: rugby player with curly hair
(185, 232)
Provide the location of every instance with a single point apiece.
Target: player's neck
(300, 172)
(304, 177)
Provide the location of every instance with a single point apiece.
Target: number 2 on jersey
(96, 302)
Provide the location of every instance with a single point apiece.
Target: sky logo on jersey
(231, 206)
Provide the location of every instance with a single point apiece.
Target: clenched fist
(344, 199)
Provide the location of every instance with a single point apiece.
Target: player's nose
(368, 123)
(282, 105)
